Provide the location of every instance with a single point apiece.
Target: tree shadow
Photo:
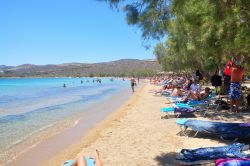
(171, 116)
(225, 115)
(166, 159)
(215, 138)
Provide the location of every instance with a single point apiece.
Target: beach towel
(211, 153)
(178, 108)
(226, 130)
(233, 162)
(90, 162)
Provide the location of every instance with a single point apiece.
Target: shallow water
(31, 106)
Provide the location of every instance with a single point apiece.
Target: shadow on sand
(225, 115)
(166, 159)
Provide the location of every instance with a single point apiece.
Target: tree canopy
(200, 34)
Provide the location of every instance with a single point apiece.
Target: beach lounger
(177, 110)
(90, 162)
(166, 93)
(181, 108)
(209, 154)
(233, 162)
(190, 101)
(226, 131)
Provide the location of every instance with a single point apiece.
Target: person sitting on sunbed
(165, 88)
(81, 161)
(195, 87)
(187, 84)
(177, 92)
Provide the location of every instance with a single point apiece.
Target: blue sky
(62, 31)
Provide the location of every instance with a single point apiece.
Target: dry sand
(135, 135)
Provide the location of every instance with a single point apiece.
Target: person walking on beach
(133, 84)
(235, 85)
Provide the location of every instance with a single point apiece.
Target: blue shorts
(235, 91)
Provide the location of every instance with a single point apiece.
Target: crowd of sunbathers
(187, 87)
(236, 154)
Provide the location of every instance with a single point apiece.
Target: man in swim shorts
(235, 85)
(133, 84)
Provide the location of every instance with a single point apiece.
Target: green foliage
(199, 32)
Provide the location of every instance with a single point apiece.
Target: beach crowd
(190, 93)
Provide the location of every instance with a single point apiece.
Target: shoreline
(136, 134)
(52, 145)
(96, 132)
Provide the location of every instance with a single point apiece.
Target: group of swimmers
(97, 80)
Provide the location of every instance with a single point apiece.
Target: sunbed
(90, 162)
(233, 162)
(209, 154)
(181, 108)
(226, 131)
(175, 99)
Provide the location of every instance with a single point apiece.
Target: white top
(195, 88)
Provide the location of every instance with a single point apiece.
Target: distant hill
(3, 67)
(123, 67)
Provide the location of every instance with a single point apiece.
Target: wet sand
(136, 135)
(48, 148)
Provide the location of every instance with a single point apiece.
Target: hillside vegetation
(125, 67)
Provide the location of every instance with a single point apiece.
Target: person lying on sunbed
(165, 88)
(196, 95)
(81, 161)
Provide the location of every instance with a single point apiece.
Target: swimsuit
(235, 93)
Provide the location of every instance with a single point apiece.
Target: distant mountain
(5, 67)
(119, 67)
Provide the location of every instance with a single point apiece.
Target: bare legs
(133, 88)
(80, 161)
(236, 103)
(98, 161)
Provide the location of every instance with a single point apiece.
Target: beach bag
(222, 104)
(216, 80)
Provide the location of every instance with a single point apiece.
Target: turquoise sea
(29, 106)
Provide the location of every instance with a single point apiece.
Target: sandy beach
(136, 135)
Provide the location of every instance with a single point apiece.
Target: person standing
(133, 84)
(227, 76)
(235, 85)
(198, 75)
(216, 81)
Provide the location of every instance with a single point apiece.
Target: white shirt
(195, 88)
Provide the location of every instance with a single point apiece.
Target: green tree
(199, 33)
